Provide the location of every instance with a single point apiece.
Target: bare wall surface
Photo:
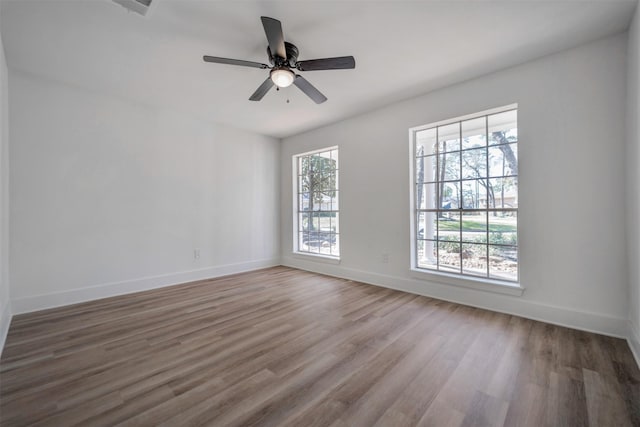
(5, 305)
(572, 149)
(111, 197)
(633, 182)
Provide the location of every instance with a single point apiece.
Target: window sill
(318, 258)
(478, 284)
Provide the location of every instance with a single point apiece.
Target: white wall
(572, 141)
(109, 197)
(5, 305)
(633, 182)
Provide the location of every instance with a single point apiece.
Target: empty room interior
(319, 213)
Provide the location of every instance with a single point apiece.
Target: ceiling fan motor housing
(289, 61)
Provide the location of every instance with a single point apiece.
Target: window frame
(460, 278)
(296, 174)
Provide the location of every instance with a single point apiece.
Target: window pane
(321, 240)
(307, 242)
(315, 201)
(303, 201)
(334, 201)
(503, 262)
(449, 226)
(503, 228)
(334, 156)
(329, 174)
(473, 133)
(504, 193)
(326, 201)
(323, 203)
(449, 138)
(303, 166)
(431, 168)
(503, 127)
(303, 184)
(420, 255)
(327, 240)
(474, 227)
(325, 249)
(474, 259)
(323, 183)
(315, 222)
(335, 247)
(302, 241)
(427, 254)
(426, 196)
(449, 256)
(474, 163)
(432, 226)
(325, 222)
(426, 169)
(503, 160)
(450, 195)
(449, 166)
(303, 221)
(425, 142)
(421, 225)
(474, 194)
(335, 222)
(427, 224)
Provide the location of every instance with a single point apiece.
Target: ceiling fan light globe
(282, 77)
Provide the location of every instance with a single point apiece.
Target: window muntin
(317, 228)
(466, 196)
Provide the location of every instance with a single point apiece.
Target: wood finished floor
(285, 347)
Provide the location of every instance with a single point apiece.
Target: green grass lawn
(468, 225)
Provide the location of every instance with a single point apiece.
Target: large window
(465, 196)
(317, 229)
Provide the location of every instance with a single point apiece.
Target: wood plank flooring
(284, 347)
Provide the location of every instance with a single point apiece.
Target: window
(465, 196)
(317, 229)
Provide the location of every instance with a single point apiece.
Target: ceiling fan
(283, 57)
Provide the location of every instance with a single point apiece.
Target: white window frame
(297, 250)
(454, 278)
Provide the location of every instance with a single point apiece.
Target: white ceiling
(402, 49)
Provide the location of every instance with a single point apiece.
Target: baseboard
(73, 296)
(633, 339)
(518, 306)
(5, 322)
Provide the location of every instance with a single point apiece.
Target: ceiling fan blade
(339, 63)
(309, 89)
(273, 30)
(218, 60)
(262, 90)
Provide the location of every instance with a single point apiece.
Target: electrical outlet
(385, 258)
(196, 253)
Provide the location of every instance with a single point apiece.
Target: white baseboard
(634, 341)
(73, 296)
(518, 306)
(5, 322)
